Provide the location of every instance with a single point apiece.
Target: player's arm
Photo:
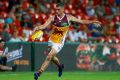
(45, 25)
(74, 19)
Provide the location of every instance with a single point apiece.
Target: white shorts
(56, 46)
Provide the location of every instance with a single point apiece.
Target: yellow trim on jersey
(58, 33)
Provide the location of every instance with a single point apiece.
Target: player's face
(59, 10)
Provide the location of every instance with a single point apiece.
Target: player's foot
(36, 75)
(60, 70)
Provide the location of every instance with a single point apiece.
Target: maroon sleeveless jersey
(60, 29)
(60, 22)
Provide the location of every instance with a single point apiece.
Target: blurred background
(88, 47)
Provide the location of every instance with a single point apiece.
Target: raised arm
(74, 19)
(45, 25)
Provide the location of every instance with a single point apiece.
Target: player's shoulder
(52, 17)
(67, 14)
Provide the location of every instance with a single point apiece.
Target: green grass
(66, 76)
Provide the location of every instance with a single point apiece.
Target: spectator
(12, 4)
(118, 2)
(72, 35)
(15, 37)
(110, 29)
(2, 19)
(26, 21)
(81, 32)
(82, 35)
(90, 9)
(27, 32)
(25, 13)
(5, 34)
(118, 29)
(94, 31)
(3, 58)
(24, 37)
(9, 19)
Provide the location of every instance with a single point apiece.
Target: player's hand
(35, 29)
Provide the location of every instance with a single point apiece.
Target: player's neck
(61, 15)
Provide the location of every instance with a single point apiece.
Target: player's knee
(49, 58)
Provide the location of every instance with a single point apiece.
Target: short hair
(60, 5)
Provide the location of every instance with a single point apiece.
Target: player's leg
(4, 61)
(5, 68)
(45, 64)
(48, 59)
(60, 66)
(56, 61)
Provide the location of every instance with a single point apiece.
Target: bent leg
(47, 61)
(5, 68)
(60, 66)
(56, 61)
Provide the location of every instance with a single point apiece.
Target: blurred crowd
(19, 17)
(98, 57)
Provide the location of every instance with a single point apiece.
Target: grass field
(66, 76)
